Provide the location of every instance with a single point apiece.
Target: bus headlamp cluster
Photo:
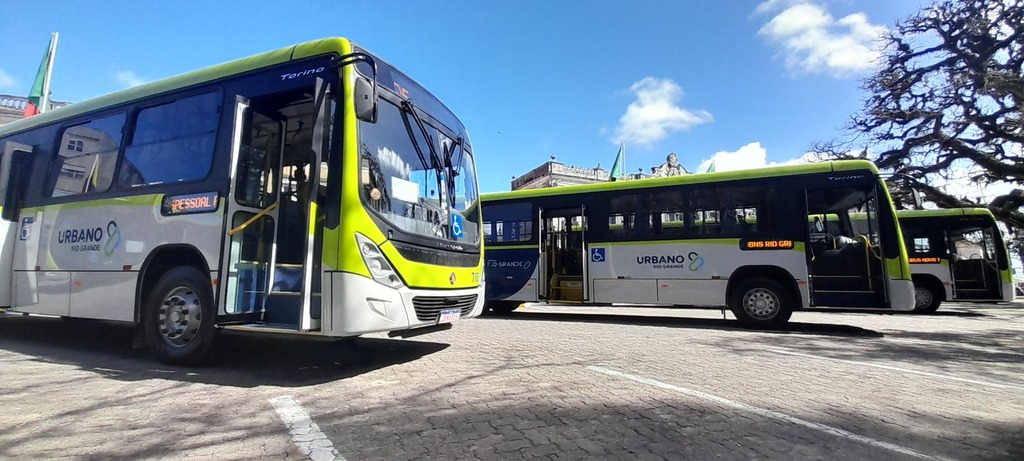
(379, 267)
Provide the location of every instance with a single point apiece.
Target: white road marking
(769, 414)
(902, 370)
(305, 433)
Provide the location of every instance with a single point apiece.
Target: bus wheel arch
(762, 296)
(928, 294)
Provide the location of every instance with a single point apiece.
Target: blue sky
(745, 82)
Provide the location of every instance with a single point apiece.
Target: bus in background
(738, 239)
(956, 254)
(313, 189)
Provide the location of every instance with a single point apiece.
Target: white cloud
(128, 78)
(752, 155)
(655, 113)
(813, 42)
(6, 81)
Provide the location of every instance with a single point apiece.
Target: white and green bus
(956, 254)
(732, 239)
(313, 189)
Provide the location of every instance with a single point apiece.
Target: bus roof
(238, 66)
(701, 178)
(945, 212)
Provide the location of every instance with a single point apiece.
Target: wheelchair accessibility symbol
(597, 255)
(456, 226)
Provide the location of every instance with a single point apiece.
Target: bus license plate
(449, 316)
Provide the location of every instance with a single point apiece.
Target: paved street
(544, 382)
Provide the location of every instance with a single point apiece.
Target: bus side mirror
(366, 101)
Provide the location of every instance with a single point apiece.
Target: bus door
(563, 255)
(973, 265)
(844, 256)
(252, 213)
(14, 170)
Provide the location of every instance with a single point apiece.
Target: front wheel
(761, 302)
(926, 298)
(178, 316)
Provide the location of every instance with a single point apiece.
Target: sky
(743, 83)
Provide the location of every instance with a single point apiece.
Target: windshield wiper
(436, 164)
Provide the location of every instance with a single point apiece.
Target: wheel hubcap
(922, 297)
(761, 304)
(180, 316)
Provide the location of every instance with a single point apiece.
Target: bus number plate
(449, 316)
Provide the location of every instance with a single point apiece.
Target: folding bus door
(564, 255)
(252, 211)
(973, 264)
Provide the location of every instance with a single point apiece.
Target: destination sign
(189, 204)
(925, 260)
(766, 244)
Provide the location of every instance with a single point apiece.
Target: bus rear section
(956, 254)
(763, 243)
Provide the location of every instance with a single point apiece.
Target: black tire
(761, 302)
(926, 298)
(178, 316)
(502, 307)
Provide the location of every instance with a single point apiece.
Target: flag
(711, 167)
(39, 97)
(619, 164)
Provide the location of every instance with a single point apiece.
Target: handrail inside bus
(253, 219)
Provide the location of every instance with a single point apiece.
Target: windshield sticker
(188, 204)
(406, 191)
(456, 226)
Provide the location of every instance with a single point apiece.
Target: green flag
(38, 96)
(619, 164)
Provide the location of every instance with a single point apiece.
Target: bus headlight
(379, 267)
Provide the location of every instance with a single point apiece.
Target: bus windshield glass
(417, 177)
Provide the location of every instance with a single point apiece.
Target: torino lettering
(80, 235)
(664, 259)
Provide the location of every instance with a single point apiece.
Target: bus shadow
(821, 329)
(105, 348)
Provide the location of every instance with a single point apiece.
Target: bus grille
(428, 308)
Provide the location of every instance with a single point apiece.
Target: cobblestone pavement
(545, 382)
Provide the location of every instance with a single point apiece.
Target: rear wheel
(178, 316)
(926, 298)
(502, 307)
(761, 302)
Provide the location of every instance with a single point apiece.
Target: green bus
(314, 190)
(762, 242)
(956, 254)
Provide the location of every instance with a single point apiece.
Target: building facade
(554, 174)
(13, 107)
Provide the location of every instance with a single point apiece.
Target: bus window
(87, 156)
(164, 135)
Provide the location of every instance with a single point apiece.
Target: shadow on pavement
(822, 329)
(235, 360)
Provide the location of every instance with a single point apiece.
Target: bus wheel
(178, 316)
(761, 302)
(926, 298)
(502, 307)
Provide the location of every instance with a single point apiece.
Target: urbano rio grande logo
(692, 261)
(88, 239)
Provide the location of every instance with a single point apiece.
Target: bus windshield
(420, 180)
